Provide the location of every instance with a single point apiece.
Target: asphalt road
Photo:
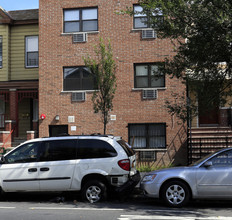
(70, 207)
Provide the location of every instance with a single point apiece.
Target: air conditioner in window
(149, 94)
(78, 96)
(148, 34)
(80, 38)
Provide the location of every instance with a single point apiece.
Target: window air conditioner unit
(78, 96)
(149, 94)
(148, 34)
(80, 38)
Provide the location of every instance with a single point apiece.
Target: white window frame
(1, 51)
(34, 49)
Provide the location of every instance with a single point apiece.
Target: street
(60, 207)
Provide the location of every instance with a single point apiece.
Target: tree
(203, 60)
(104, 72)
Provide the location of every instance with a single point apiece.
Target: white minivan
(93, 164)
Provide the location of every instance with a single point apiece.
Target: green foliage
(104, 71)
(201, 32)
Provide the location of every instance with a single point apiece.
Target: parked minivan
(93, 165)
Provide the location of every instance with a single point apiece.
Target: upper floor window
(143, 20)
(0, 52)
(32, 51)
(80, 20)
(78, 78)
(149, 76)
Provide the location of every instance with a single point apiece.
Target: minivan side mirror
(2, 160)
(208, 164)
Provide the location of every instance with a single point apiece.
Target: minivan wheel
(94, 191)
(175, 194)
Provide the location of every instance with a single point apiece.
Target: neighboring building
(69, 29)
(19, 70)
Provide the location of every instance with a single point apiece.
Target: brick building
(68, 31)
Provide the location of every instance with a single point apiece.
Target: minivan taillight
(124, 164)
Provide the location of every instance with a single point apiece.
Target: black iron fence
(199, 147)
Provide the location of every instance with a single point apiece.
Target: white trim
(158, 88)
(73, 91)
(88, 32)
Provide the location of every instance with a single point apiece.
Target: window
(147, 136)
(80, 20)
(143, 20)
(58, 150)
(149, 76)
(92, 148)
(26, 153)
(78, 78)
(223, 159)
(32, 51)
(0, 52)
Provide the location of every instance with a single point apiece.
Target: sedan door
(215, 180)
(20, 170)
(57, 165)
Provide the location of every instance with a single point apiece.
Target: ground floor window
(147, 136)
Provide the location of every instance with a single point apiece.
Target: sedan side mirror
(208, 164)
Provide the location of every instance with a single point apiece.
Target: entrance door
(58, 130)
(208, 114)
(209, 117)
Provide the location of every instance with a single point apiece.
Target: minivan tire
(94, 191)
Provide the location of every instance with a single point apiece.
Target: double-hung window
(145, 20)
(78, 78)
(149, 75)
(0, 51)
(80, 20)
(147, 136)
(32, 51)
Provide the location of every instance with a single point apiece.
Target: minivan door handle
(44, 169)
(31, 170)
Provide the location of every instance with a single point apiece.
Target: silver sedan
(209, 178)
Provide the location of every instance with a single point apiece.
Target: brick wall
(56, 50)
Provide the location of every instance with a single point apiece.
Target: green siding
(4, 33)
(18, 70)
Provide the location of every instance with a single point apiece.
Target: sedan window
(222, 159)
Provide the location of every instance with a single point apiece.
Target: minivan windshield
(129, 151)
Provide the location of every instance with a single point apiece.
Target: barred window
(147, 136)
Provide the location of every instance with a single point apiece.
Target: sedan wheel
(175, 194)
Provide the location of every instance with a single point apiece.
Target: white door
(20, 170)
(57, 165)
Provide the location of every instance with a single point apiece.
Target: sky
(11, 5)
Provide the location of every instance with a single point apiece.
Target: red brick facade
(56, 51)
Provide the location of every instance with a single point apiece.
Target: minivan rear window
(129, 151)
